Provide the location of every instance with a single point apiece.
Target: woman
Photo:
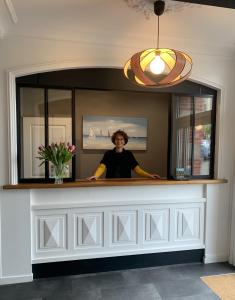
(119, 162)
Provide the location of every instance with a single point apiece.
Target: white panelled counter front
(83, 220)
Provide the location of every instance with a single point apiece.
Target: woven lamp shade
(177, 67)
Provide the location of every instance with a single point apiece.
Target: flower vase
(59, 172)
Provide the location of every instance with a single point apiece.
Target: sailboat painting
(98, 130)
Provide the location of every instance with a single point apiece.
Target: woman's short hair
(119, 132)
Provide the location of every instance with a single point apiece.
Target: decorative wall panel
(103, 231)
(89, 228)
(124, 227)
(51, 232)
(156, 225)
(187, 223)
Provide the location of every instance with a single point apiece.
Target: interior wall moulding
(11, 10)
(146, 6)
(2, 33)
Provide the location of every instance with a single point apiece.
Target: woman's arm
(142, 173)
(99, 171)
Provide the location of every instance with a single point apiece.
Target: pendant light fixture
(158, 67)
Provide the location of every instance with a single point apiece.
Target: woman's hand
(155, 176)
(92, 178)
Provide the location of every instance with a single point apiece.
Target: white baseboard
(208, 259)
(16, 279)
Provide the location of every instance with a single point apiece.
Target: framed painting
(98, 130)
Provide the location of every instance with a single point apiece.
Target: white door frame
(28, 124)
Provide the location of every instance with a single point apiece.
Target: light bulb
(157, 65)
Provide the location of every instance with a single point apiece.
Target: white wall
(25, 52)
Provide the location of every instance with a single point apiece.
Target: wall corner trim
(208, 259)
(16, 279)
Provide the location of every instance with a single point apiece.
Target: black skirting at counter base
(106, 264)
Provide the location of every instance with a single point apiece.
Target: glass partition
(182, 134)
(60, 120)
(32, 128)
(192, 130)
(45, 116)
(202, 136)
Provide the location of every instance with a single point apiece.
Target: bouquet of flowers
(58, 155)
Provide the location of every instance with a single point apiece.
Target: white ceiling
(115, 22)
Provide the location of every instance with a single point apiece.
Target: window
(44, 117)
(192, 136)
(47, 104)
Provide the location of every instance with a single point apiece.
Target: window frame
(46, 88)
(65, 77)
(171, 174)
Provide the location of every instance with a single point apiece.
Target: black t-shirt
(119, 164)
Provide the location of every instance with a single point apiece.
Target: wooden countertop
(110, 182)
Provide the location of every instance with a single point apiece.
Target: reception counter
(105, 218)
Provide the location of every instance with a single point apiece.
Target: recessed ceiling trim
(11, 10)
(146, 6)
(218, 3)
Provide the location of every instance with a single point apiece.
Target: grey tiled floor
(177, 282)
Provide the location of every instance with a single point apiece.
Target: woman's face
(119, 141)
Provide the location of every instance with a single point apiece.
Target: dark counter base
(116, 263)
